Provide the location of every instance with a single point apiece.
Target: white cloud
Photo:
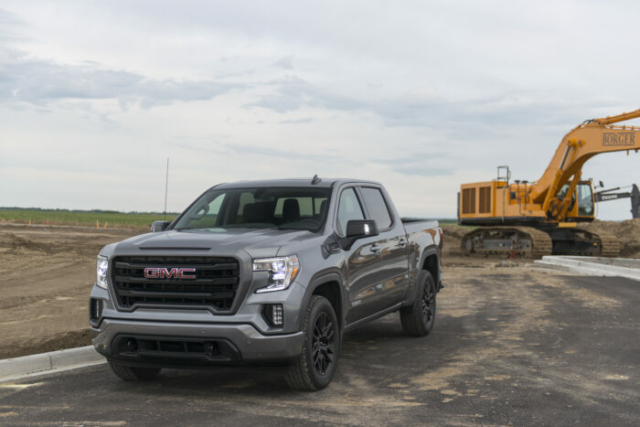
(420, 96)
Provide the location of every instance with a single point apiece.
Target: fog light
(208, 348)
(132, 345)
(275, 314)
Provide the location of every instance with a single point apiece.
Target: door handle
(375, 248)
(402, 243)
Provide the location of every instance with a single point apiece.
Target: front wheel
(130, 373)
(418, 319)
(316, 365)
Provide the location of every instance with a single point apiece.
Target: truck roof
(295, 182)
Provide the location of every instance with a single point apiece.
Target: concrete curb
(590, 266)
(44, 363)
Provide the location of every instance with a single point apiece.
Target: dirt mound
(14, 243)
(452, 238)
(21, 245)
(628, 232)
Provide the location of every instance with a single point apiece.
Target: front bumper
(167, 344)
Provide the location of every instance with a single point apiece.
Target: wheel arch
(329, 285)
(430, 261)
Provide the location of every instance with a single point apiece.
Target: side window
(348, 209)
(378, 210)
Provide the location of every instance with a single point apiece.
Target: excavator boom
(615, 119)
(591, 138)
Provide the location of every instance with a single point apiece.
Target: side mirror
(159, 226)
(357, 228)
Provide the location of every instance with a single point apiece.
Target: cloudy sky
(420, 95)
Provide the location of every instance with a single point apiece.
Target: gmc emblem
(169, 273)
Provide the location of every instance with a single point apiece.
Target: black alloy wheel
(316, 365)
(323, 344)
(428, 302)
(418, 318)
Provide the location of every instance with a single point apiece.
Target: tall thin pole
(166, 191)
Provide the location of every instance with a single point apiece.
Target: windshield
(282, 208)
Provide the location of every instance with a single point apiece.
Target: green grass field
(112, 219)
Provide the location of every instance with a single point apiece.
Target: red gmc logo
(169, 273)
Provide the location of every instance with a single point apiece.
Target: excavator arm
(634, 195)
(591, 138)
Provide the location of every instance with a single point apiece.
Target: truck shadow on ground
(365, 356)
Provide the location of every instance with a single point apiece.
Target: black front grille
(215, 284)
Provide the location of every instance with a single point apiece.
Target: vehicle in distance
(264, 272)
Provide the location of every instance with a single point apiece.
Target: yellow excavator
(539, 218)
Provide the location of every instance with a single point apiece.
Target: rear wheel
(129, 373)
(316, 365)
(418, 319)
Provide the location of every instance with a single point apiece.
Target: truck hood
(256, 242)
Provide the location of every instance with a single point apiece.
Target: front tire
(314, 368)
(130, 373)
(418, 319)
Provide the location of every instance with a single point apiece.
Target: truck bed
(413, 225)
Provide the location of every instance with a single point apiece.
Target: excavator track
(535, 243)
(542, 243)
(521, 241)
(608, 243)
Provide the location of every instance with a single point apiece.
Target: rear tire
(129, 373)
(314, 368)
(418, 319)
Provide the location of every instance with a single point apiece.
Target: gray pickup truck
(264, 272)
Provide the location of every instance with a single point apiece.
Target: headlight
(282, 271)
(101, 271)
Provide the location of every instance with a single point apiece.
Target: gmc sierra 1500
(264, 272)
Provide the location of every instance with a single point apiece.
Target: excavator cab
(583, 210)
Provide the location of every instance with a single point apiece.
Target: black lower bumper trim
(166, 351)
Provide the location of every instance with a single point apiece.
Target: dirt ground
(46, 275)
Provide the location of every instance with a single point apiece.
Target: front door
(363, 259)
(393, 262)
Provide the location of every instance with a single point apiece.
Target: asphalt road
(510, 347)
